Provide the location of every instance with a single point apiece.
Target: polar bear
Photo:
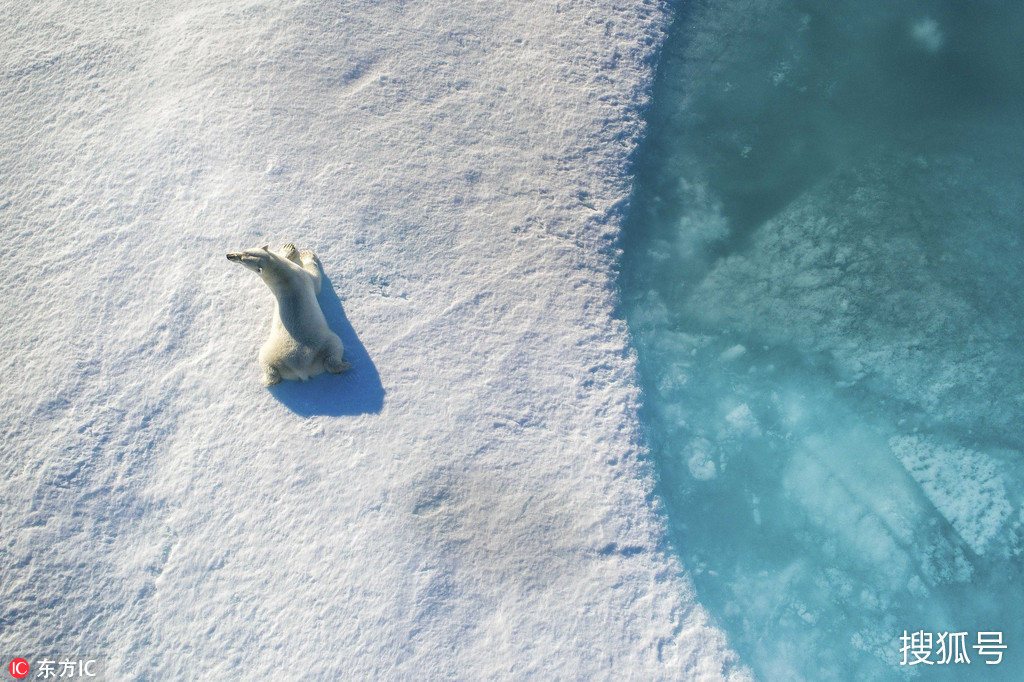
(301, 345)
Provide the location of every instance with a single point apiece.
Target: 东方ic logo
(18, 668)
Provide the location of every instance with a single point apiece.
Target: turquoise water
(823, 277)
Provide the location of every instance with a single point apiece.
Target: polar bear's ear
(265, 247)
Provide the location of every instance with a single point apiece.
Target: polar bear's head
(256, 260)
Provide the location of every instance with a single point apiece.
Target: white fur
(301, 345)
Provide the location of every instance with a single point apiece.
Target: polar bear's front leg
(311, 264)
(289, 252)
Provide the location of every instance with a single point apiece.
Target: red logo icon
(18, 668)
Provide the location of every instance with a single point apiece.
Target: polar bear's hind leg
(271, 375)
(333, 360)
(335, 365)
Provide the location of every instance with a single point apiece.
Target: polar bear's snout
(252, 259)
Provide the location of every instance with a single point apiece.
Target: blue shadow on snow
(357, 391)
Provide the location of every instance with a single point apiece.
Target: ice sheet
(472, 500)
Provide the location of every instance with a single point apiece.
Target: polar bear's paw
(335, 365)
(271, 377)
(290, 252)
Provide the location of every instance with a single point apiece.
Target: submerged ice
(822, 277)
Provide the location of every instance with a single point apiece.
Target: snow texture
(472, 499)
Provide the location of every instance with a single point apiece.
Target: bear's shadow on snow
(356, 391)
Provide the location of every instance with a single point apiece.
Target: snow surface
(472, 500)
